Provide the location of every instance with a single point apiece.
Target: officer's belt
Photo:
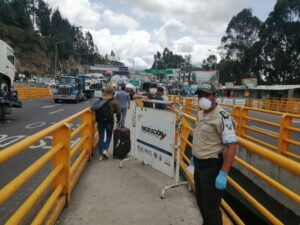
(204, 163)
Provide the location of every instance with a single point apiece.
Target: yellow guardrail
(242, 116)
(26, 93)
(279, 160)
(64, 173)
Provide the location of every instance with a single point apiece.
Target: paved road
(35, 116)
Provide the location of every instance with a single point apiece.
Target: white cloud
(119, 20)
(79, 12)
(133, 45)
(164, 33)
(184, 26)
(185, 45)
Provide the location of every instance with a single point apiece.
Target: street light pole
(55, 57)
(217, 71)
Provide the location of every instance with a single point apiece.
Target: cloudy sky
(137, 29)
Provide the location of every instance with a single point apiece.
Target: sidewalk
(108, 195)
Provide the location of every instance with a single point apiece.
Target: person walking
(124, 103)
(214, 148)
(105, 108)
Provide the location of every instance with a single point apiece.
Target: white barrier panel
(255, 103)
(219, 100)
(228, 101)
(155, 132)
(240, 101)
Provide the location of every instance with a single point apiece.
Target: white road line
(296, 121)
(56, 111)
(265, 130)
(49, 106)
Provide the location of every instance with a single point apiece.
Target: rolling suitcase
(122, 142)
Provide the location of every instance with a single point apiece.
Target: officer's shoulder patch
(224, 114)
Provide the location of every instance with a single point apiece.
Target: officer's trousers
(208, 197)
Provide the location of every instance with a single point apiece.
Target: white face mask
(205, 103)
(153, 90)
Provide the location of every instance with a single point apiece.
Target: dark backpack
(105, 114)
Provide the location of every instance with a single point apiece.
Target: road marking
(49, 106)
(296, 121)
(56, 111)
(5, 140)
(265, 130)
(35, 125)
(45, 143)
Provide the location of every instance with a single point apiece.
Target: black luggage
(122, 142)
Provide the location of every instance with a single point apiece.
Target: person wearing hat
(214, 148)
(105, 109)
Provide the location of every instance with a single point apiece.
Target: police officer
(214, 148)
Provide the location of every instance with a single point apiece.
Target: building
(109, 70)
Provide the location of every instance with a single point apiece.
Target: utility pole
(217, 71)
(55, 57)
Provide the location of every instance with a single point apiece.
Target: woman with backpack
(105, 108)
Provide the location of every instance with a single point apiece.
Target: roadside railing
(67, 162)
(283, 135)
(280, 105)
(281, 161)
(26, 93)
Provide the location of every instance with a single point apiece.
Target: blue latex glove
(221, 180)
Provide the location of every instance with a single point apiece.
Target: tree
(21, 14)
(280, 44)
(112, 55)
(240, 37)
(43, 13)
(210, 63)
(56, 21)
(241, 33)
(167, 60)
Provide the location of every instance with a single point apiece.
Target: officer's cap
(206, 87)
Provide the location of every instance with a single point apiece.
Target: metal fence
(67, 164)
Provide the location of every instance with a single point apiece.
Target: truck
(88, 87)
(8, 97)
(69, 88)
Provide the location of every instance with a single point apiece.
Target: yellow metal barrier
(26, 93)
(281, 161)
(242, 117)
(287, 105)
(63, 175)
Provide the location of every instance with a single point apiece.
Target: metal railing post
(244, 121)
(283, 145)
(62, 135)
(188, 106)
(88, 144)
(237, 118)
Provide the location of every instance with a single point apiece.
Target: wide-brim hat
(108, 93)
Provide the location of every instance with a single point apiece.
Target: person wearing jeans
(124, 103)
(103, 145)
(105, 109)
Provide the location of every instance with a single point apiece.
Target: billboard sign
(249, 82)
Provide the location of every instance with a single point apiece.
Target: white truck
(8, 97)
